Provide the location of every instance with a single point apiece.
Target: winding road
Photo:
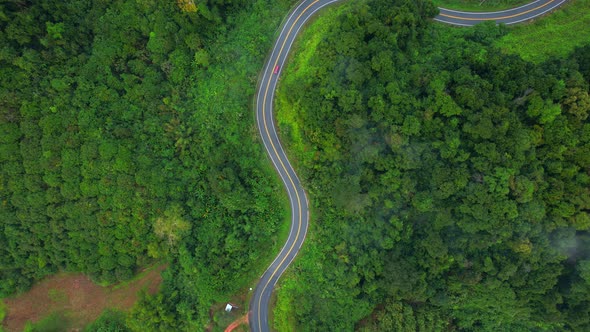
(260, 302)
(511, 16)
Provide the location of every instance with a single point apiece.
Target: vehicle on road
(261, 298)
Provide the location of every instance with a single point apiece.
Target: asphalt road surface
(260, 302)
(510, 16)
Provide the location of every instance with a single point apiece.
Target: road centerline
(284, 168)
(498, 17)
(279, 157)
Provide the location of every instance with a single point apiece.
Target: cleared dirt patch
(75, 296)
(232, 327)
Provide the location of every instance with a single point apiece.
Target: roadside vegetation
(555, 35)
(449, 179)
(479, 5)
(127, 137)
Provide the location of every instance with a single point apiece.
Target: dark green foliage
(123, 139)
(446, 175)
(403, 317)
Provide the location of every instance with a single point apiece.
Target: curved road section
(259, 304)
(510, 16)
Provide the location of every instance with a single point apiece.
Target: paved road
(259, 304)
(510, 16)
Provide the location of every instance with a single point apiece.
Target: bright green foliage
(152, 314)
(449, 180)
(172, 226)
(2, 312)
(557, 34)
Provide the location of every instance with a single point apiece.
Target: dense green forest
(125, 137)
(450, 181)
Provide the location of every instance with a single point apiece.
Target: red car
(276, 71)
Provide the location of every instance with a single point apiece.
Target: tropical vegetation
(126, 136)
(449, 180)
(449, 173)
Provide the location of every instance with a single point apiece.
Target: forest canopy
(450, 182)
(125, 137)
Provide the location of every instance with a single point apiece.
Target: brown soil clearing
(78, 297)
(237, 322)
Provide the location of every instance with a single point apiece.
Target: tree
(172, 226)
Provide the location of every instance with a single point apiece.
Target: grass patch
(55, 322)
(555, 35)
(57, 296)
(478, 5)
(2, 314)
